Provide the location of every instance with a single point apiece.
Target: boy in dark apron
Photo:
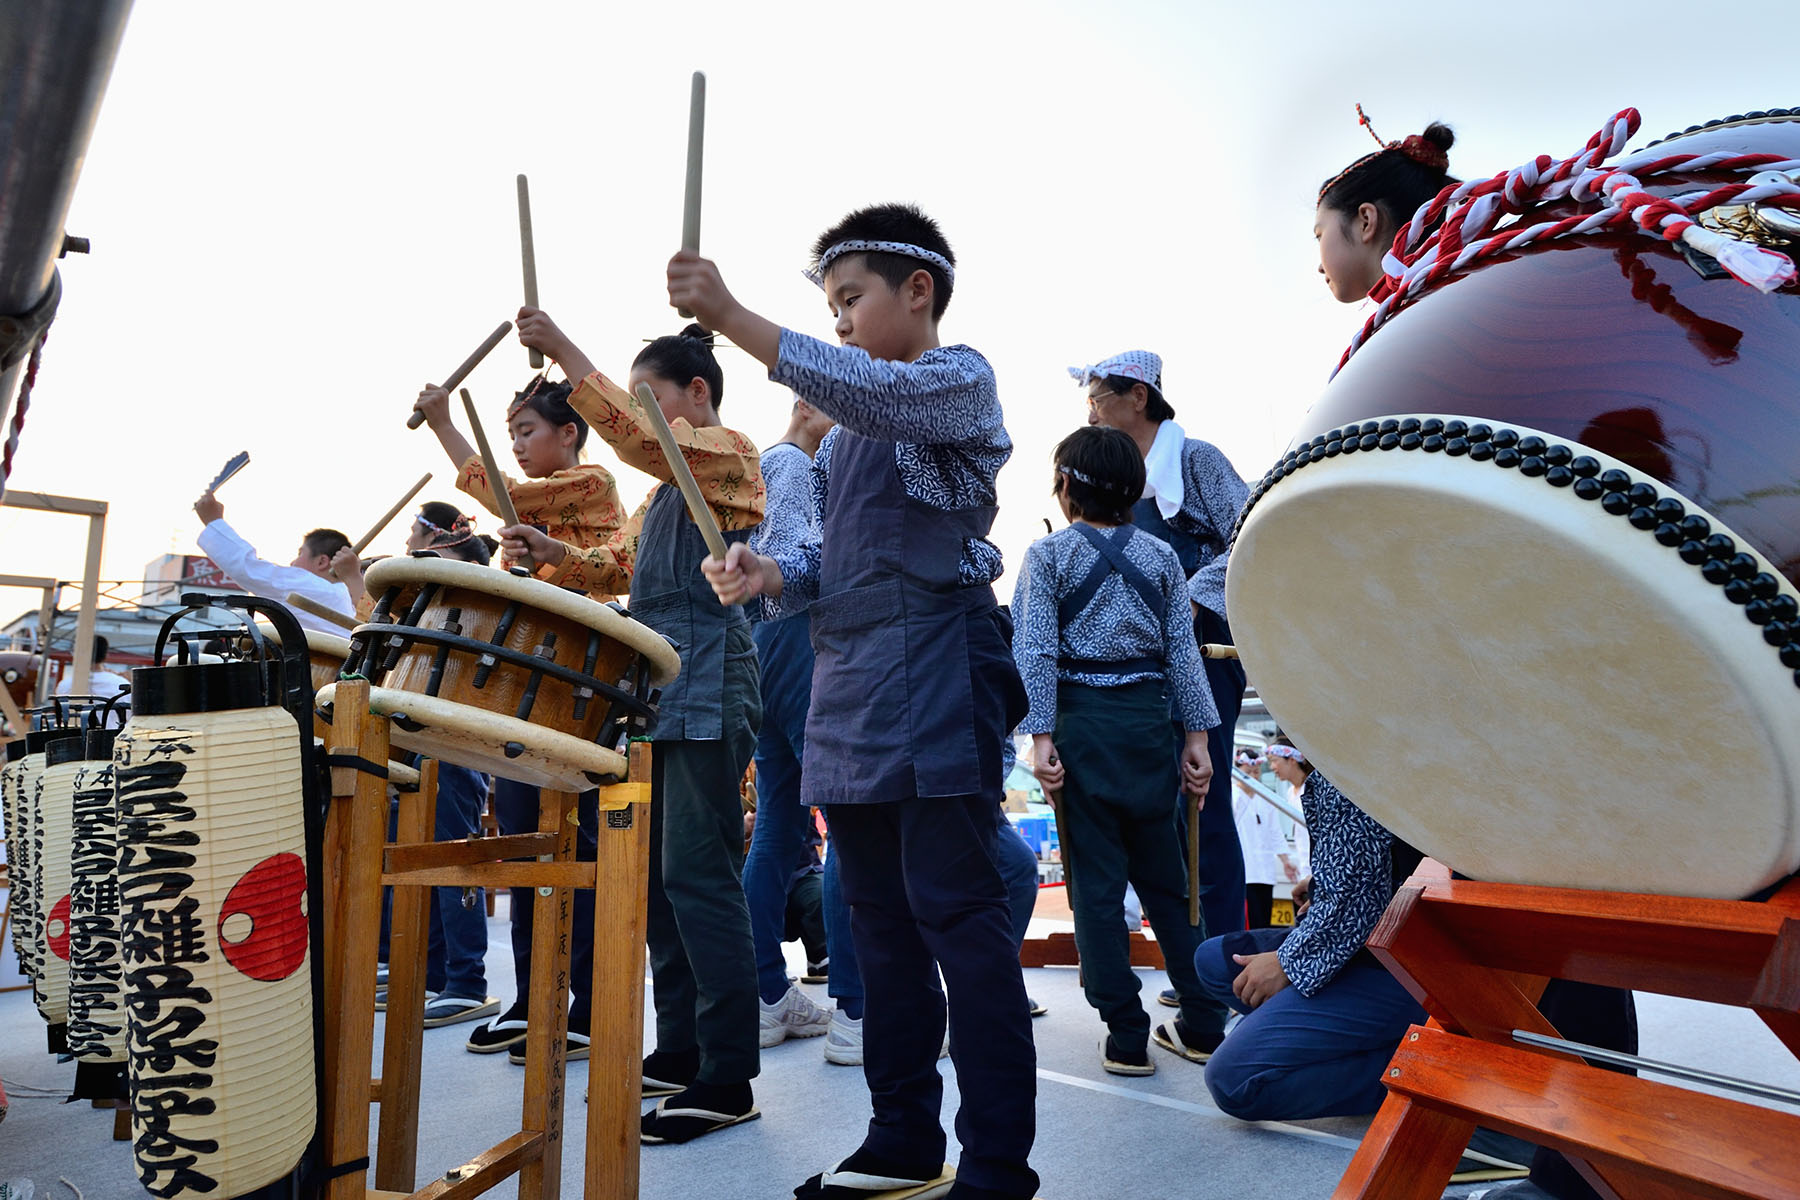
(1105, 644)
(702, 966)
(914, 690)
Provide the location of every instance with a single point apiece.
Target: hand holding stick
(469, 364)
(528, 256)
(681, 473)
(496, 481)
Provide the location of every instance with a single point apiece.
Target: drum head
(665, 663)
(478, 739)
(1521, 683)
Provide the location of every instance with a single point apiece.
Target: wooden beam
(467, 852)
(48, 502)
(546, 1035)
(1629, 1129)
(82, 662)
(484, 1170)
(616, 1046)
(34, 582)
(561, 874)
(402, 1046)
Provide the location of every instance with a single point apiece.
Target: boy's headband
(860, 246)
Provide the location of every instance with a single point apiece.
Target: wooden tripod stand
(359, 862)
(1477, 956)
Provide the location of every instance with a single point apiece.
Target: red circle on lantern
(272, 895)
(56, 929)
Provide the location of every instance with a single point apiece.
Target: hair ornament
(863, 246)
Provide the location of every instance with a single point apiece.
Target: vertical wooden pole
(46, 622)
(546, 1039)
(615, 1069)
(355, 832)
(409, 936)
(83, 649)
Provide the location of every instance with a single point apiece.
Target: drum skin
(1527, 684)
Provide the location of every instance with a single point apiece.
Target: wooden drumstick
(690, 211)
(681, 473)
(528, 256)
(1215, 650)
(469, 364)
(362, 543)
(1193, 860)
(308, 605)
(496, 481)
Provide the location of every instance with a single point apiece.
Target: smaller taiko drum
(503, 673)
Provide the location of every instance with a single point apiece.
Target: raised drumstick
(309, 605)
(528, 256)
(469, 364)
(362, 543)
(681, 472)
(690, 211)
(496, 481)
(1217, 650)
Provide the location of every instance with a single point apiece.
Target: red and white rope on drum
(18, 418)
(1460, 225)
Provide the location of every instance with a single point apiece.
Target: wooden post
(355, 831)
(615, 1076)
(81, 663)
(546, 1038)
(409, 936)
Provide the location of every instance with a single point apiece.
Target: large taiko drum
(1524, 585)
(507, 674)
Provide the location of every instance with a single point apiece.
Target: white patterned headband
(1286, 752)
(860, 246)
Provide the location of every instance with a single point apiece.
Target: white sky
(302, 214)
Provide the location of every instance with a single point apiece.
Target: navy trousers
(924, 884)
(456, 953)
(1294, 1056)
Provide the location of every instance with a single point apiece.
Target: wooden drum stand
(359, 863)
(1477, 956)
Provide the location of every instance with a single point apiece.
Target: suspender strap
(1113, 554)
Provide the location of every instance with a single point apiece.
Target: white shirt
(1259, 836)
(239, 560)
(103, 683)
(1162, 469)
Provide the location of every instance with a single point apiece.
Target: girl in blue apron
(702, 965)
(1191, 499)
(1104, 640)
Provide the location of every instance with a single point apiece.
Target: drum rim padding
(473, 737)
(665, 662)
(1408, 762)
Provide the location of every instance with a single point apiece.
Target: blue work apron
(669, 594)
(914, 686)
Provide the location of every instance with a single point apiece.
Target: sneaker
(576, 1047)
(817, 972)
(454, 1010)
(794, 1017)
(843, 1041)
(502, 1033)
(1175, 1037)
(1115, 1060)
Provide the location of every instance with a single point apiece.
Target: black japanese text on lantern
(96, 1011)
(162, 934)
